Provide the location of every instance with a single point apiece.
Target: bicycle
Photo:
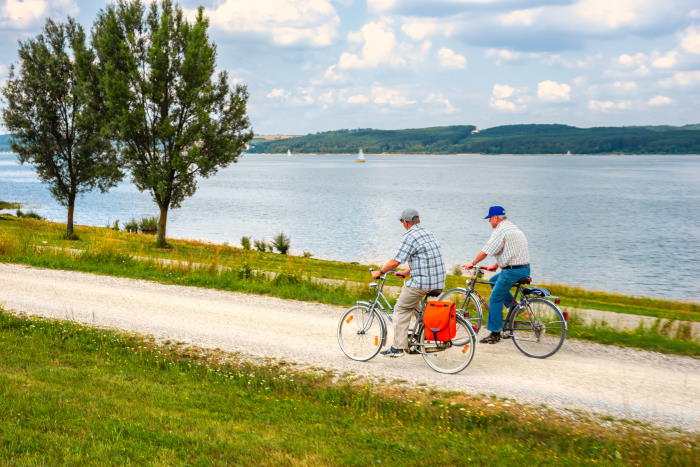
(362, 332)
(534, 322)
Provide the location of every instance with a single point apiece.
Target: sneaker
(392, 352)
(491, 338)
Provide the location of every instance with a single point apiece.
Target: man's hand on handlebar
(403, 273)
(493, 267)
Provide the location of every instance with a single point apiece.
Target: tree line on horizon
(507, 139)
(138, 96)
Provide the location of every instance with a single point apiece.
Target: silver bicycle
(534, 321)
(362, 333)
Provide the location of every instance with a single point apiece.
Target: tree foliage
(55, 118)
(173, 119)
(508, 139)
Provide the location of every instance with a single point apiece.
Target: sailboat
(289, 152)
(360, 156)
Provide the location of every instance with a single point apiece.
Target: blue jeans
(501, 296)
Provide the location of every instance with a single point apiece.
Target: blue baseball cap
(496, 211)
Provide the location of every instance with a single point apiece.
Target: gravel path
(624, 383)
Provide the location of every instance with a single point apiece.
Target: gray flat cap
(408, 215)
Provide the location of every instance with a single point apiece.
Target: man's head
(496, 215)
(409, 218)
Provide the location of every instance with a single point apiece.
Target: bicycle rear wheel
(468, 306)
(449, 357)
(361, 333)
(539, 328)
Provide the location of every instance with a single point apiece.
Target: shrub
(261, 245)
(28, 215)
(457, 270)
(148, 225)
(281, 243)
(307, 254)
(132, 226)
(245, 242)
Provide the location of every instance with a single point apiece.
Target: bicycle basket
(440, 321)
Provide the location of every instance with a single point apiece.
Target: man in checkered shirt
(425, 266)
(509, 246)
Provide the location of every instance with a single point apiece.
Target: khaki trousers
(407, 305)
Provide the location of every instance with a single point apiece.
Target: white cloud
(332, 74)
(612, 14)
(451, 59)
(391, 97)
(520, 17)
(420, 28)
(503, 54)
(379, 47)
(691, 40)
(637, 59)
(553, 92)
(22, 14)
(666, 61)
(626, 86)
(660, 100)
(608, 106)
(277, 93)
(287, 22)
(506, 98)
(380, 5)
(438, 98)
(357, 99)
(503, 91)
(682, 78)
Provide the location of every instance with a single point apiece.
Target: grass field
(105, 251)
(80, 396)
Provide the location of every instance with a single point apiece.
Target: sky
(319, 65)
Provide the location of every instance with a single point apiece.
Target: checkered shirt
(421, 250)
(508, 244)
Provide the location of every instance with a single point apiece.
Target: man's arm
(389, 266)
(479, 257)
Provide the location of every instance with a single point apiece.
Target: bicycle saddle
(434, 293)
(524, 280)
(537, 291)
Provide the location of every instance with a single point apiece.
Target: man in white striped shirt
(509, 246)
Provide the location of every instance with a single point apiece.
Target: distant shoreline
(452, 154)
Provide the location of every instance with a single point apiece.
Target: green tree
(53, 111)
(173, 119)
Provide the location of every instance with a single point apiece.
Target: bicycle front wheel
(539, 328)
(361, 333)
(468, 306)
(449, 357)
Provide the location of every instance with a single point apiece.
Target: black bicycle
(534, 321)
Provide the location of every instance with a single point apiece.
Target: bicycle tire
(449, 357)
(468, 306)
(538, 328)
(361, 333)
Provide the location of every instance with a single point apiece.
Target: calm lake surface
(628, 224)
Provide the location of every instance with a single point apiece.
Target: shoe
(392, 352)
(491, 338)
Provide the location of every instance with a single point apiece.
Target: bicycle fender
(367, 304)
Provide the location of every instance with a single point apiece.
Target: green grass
(79, 396)
(105, 251)
(47, 233)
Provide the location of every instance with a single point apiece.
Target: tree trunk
(69, 223)
(162, 222)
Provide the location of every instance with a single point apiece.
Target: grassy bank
(71, 395)
(105, 251)
(8, 205)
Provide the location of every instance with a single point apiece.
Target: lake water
(628, 224)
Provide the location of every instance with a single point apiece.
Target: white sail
(360, 156)
(289, 152)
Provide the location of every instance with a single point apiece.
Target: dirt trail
(624, 383)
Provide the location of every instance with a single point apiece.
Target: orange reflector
(465, 349)
(526, 316)
(376, 340)
(349, 319)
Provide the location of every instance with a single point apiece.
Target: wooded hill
(509, 139)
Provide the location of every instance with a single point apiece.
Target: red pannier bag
(440, 321)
